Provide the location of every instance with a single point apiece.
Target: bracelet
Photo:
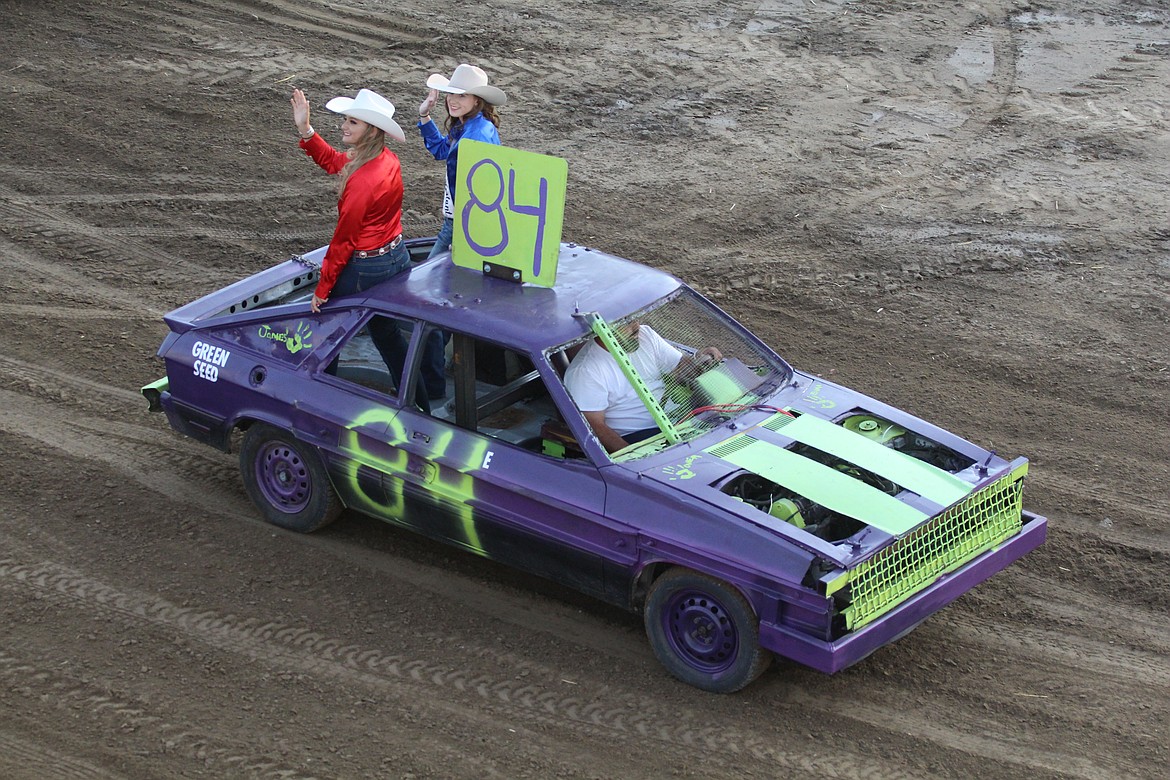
(305, 136)
(421, 117)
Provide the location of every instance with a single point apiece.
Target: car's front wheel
(704, 631)
(285, 478)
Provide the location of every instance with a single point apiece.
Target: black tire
(704, 631)
(286, 480)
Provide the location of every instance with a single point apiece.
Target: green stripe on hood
(826, 486)
(930, 482)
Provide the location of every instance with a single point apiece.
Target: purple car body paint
(774, 512)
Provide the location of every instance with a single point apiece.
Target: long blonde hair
(368, 148)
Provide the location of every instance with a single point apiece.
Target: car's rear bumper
(153, 393)
(830, 657)
(192, 421)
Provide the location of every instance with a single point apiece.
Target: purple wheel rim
(700, 631)
(283, 477)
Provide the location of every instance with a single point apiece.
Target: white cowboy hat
(468, 79)
(371, 108)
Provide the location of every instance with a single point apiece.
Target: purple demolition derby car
(773, 513)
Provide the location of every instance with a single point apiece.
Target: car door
(345, 403)
(497, 494)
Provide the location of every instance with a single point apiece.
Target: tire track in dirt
(286, 645)
(102, 256)
(1078, 656)
(1039, 178)
(131, 199)
(47, 216)
(993, 745)
(984, 105)
(59, 283)
(388, 27)
(1053, 663)
(1143, 628)
(88, 313)
(66, 692)
(287, 70)
(28, 758)
(1074, 491)
(264, 61)
(211, 186)
(964, 702)
(174, 469)
(47, 383)
(331, 21)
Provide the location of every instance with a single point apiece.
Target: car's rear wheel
(704, 631)
(286, 480)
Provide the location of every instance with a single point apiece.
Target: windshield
(669, 373)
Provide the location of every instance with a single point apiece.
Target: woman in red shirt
(366, 247)
(369, 203)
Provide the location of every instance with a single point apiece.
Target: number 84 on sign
(509, 210)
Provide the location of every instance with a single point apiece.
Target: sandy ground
(959, 207)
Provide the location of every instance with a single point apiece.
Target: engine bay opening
(907, 442)
(790, 507)
(797, 510)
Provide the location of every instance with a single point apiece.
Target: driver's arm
(608, 437)
(690, 366)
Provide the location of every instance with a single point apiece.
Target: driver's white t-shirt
(597, 384)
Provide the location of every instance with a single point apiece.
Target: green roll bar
(603, 331)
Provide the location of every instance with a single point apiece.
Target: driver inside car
(605, 396)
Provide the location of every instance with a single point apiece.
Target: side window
(557, 438)
(498, 393)
(375, 354)
(287, 339)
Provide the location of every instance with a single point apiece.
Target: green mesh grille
(978, 523)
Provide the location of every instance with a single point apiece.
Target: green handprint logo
(681, 470)
(300, 339)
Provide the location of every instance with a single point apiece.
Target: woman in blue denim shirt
(471, 113)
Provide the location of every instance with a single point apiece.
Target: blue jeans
(434, 363)
(362, 273)
(443, 240)
(359, 275)
(434, 351)
(636, 436)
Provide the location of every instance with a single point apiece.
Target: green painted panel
(826, 486)
(719, 388)
(926, 480)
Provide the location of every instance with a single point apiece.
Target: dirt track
(958, 207)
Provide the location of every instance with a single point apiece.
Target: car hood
(768, 449)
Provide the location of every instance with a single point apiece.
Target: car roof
(524, 316)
